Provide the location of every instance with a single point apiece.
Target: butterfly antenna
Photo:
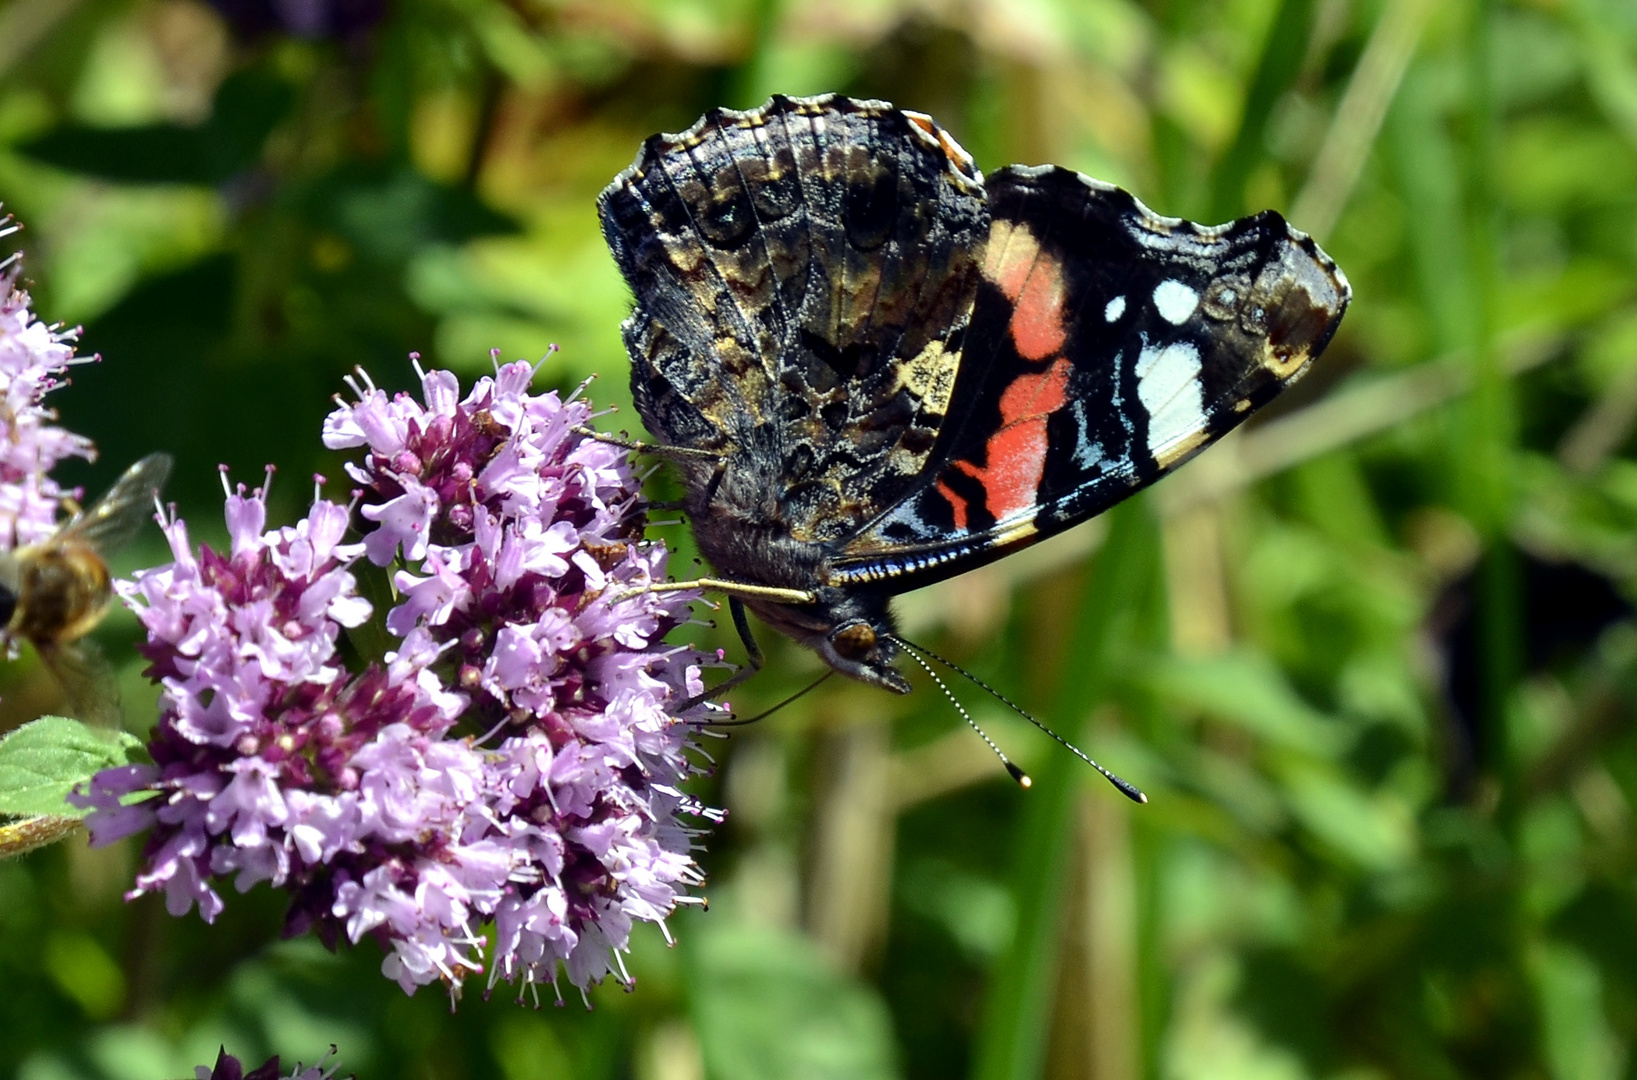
(1126, 787)
(803, 692)
(1017, 773)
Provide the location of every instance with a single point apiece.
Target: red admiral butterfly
(877, 368)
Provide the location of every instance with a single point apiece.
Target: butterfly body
(892, 369)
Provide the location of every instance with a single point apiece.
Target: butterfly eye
(854, 641)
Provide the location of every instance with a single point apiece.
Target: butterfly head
(866, 653)
(852, 630)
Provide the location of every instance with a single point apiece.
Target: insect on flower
(55, 592)
(501, 792)
(876, 368)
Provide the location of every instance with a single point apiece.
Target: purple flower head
(343, 20)
(33, 357)
(229, 1067)
(508, 776)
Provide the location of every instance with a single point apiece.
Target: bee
(54, 593)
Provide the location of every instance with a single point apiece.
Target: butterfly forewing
(1108, 345)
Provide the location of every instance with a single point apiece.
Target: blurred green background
(1373, 658)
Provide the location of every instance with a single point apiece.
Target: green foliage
(1374, 662)
(42, 761)
(767, 1003)
(246, 108)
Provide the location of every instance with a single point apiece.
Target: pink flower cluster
(506, 777)
(33, 356)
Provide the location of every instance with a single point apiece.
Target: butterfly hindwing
(1108, 345)
(804, 274)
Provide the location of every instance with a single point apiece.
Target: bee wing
(115, 519)
(88, 681)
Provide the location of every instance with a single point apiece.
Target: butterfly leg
(753, 658)
(675, 453)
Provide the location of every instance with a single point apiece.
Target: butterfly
(876, 368)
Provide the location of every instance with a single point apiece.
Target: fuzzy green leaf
(42, 761)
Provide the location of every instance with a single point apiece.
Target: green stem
(1011, 1043)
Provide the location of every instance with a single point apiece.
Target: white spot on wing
(1175, 301)
(1168, 387)
(1115, 308)
(1088, 453)
(905, 517)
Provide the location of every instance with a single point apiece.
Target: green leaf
(42, 761)
(389, 212)
(768, 1007)
(1374, 832)
(246, 109)
(1246, 690)
(1280, 64)
(1576, 1037)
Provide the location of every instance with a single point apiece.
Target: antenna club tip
(1132, 792)
(1126, 787)
(1018, 774)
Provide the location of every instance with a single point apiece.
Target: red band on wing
(956, 503)
(1037, 320)
(1017, 452)
(1033, 281)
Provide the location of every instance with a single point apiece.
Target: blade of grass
(1428, 178)
(1490, 418)
(1278, 67)
(1448, 191)
(1611, 76)
(1364, 407)
(1358, 118)
(1012, 1039)
(1489, 410)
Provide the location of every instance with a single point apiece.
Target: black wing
(804, 274)
(1108, 345)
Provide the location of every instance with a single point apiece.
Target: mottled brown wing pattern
(1108, 345)
(804, 276)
